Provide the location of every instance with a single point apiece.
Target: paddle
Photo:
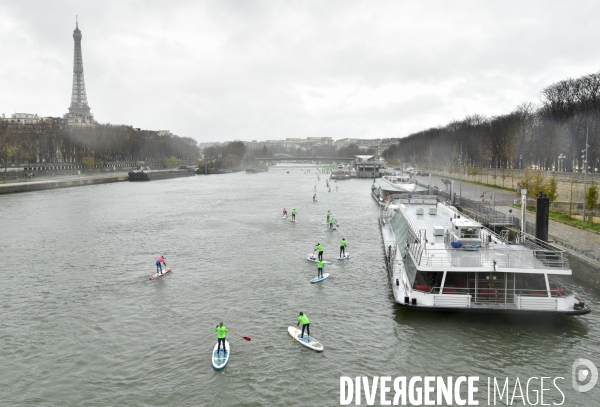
(294, 337)
(247, 338)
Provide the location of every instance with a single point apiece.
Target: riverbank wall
(39, 185)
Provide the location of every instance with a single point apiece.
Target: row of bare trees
(48, 141)
(548, 136)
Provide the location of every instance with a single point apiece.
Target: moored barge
(440, 260)
(152, 175)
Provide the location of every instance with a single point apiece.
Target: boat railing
(490, 257)
(391, 252)
(492, 294)
(383, 216)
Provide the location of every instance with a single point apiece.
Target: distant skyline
(258, 70)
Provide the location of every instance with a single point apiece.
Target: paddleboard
(332, 230)
(156, 275)
(219, 360)
(346, 257)
(307, 341)
(284, 217)
(316, 260)
(319, 279)
(293, 221)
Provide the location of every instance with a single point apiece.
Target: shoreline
(62, 182)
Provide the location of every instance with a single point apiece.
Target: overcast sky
(258, 70)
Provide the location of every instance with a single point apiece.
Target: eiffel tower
(79, 111)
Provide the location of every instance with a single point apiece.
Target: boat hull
(252, 170)
(486, 310)
(158, 175)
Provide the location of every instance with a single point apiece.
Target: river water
(81, 324)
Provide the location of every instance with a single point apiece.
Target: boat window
(470, 233)
(409, 267)
(401, 230)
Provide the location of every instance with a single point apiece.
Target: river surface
(81, 324)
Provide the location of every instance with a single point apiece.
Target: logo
(584, 371)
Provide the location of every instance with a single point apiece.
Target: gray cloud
(223, 70)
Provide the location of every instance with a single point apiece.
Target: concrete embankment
(61, 182)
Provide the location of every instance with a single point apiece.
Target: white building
(25, 118)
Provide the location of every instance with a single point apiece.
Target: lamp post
(521, 162)
(561, 158)
(429, 173)
(460, 172)
(523, 209)
(585, 171)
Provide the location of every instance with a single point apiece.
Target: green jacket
(303, 319)
(342, 243)
(320, 248)
(221, 332)
(320, 264)
(294, 212)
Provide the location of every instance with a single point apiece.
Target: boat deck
(493, 255)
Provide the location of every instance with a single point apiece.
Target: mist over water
(81, 324)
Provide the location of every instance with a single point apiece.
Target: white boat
(383, 192)
(441, 260)
(342, 172)
(403, 182)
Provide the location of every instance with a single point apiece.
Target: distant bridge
(318, 159)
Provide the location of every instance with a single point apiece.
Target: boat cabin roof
(386, 186)
(466, 223)
(492, 254)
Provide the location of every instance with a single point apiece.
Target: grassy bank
(565, 218)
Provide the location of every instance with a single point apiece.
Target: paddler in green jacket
(331, 222)
(293, 215)
(343, 248)
(328, 215)
(320, 268)
(305, 324)
(320, 249)
(221, 334)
